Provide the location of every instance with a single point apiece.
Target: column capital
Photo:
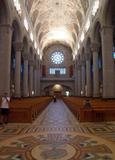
(25, 56)
(6, 26)
(95, 47)
(87, 56)
(31, 62)
(78, 66)
(18, 46)
(105, 28)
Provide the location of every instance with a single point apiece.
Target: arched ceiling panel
(57, 20)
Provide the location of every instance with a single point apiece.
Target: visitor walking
(5, 110)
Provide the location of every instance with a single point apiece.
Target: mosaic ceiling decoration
(57, 21)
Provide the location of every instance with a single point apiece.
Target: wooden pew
(27, 110)
(101, 110)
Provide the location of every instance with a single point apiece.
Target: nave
(57, 135)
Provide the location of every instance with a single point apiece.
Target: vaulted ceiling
(57, 21)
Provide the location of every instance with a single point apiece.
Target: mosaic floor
(57, 135)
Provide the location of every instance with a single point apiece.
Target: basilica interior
(63, 49)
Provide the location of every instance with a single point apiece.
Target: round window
(57, 57)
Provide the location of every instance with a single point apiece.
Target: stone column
(83, 78)
(79, 79)
(38, 79)
(88, 75)
(108, 62)
(5, 57)
(31, 77)
(18, 49)
(25, 89)
(76, 80)
(95, 49)
(35, 80)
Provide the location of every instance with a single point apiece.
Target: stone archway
(97, 61)
(24, 71)
(16, 48)
(48, 89)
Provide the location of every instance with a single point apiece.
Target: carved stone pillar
(83, 75)
(88, 75)
(35, 80)
(25, 89)
(76, 80)
(79, 79)
(5, 57)
(18, 49)
(108, 62)
(38, 79)
(95, 49)
(31, 77)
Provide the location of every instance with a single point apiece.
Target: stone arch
(16, 31)
(47, 89)
(98, 48)
(85, 5)
(38, 28)
(34, 15)
(15, 46)
(76, 28)
(74, 37)
(40, 36)
(80, 17)
(97, 32)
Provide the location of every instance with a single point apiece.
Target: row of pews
(100, 110)
(27, 109)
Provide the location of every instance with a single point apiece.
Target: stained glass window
(54, 71)
(57, 57)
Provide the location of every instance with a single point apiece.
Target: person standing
(87, 104)
(54, 98)
(5, 110)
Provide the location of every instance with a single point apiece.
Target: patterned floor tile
(56, 134)
(51, 146)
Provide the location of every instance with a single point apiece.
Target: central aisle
(55, 135)
(56, 115)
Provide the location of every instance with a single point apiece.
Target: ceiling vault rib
(57, 21)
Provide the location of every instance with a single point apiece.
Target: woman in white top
(5, 109)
